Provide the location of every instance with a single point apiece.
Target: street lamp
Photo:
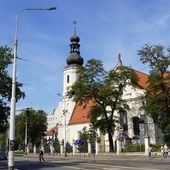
(26, 138)
(13, 97)
(65, 124)
(27, 113)
(64, 113)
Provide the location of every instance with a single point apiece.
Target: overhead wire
(22, 59)
(38, 64)
(41, 87)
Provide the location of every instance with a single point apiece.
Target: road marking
(112, 166)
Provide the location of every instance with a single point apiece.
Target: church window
(136, 125)
(123, 120)
(68, 78)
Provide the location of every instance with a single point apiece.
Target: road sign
(78, 142)
(121, 135)
(140, 137)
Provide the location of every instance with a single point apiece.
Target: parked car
(3, 155)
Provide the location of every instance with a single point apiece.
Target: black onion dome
(74, 57)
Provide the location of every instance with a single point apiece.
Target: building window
(123, 120)
(68, 78)
(136, 126)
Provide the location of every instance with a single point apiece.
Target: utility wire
(38, 64)
(41, 87)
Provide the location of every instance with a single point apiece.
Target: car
(3, 155)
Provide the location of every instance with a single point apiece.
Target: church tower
(74, 60)
(70, 75)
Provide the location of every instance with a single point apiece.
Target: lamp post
(13, 97)
(26, 138)
(26, 124)
(65, 124)
(64, 113)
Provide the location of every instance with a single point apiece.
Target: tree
(158, 91)
(3, 141)
(56, 145)
(36, 125)
(83, 137)
(5, 87)
(92, 136)
(105, 89)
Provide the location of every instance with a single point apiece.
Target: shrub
(135, 148)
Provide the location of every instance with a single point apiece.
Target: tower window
(136, 125)
(68, 79)
(123, 119)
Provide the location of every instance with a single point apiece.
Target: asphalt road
(109, 162)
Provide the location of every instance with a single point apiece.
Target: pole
(64, 113)
(13, 96)
(26, 138)
(65, 152)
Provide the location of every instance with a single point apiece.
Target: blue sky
(105, 28)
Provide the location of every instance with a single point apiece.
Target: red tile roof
(143, 78)
(80, 113)
(50, 132)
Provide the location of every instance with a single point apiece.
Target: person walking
(165, 151)
(149, 151)
(162, 150)
(41, 155)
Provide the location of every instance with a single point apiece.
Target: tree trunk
(111, 148)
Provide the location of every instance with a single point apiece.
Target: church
(69, 119)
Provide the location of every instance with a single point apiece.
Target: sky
(105, 28)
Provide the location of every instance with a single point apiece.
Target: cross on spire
(75, 27)
(119, 59)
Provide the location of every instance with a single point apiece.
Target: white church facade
(71, 118)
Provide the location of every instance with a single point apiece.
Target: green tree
(105, 89)
(92, 136)
(5, 86)
(56, 145)
(158, 91)
(36, 126)
(3, 141)
(83, 138)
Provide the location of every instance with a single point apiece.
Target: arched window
(68, 79)
(136, 125)
(123, 120)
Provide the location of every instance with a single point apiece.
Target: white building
(71, 118)
(51, 120)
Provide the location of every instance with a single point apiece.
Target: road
(86, 163)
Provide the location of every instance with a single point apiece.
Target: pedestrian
(162, 150)
(41, 155)
(149, 151)
(165, 151)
